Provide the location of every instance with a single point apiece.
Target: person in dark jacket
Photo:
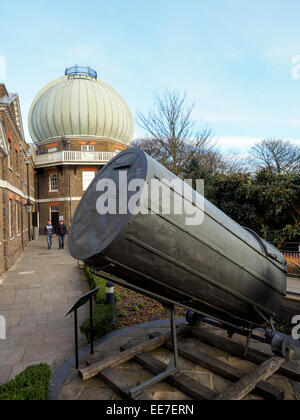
(61, 233)
(49, 233)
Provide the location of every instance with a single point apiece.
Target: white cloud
(242, 144)
(83, 52)
(220, 117)
(294, 121)
(239, 144)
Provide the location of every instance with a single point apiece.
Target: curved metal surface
(80, 106)
(216, 267)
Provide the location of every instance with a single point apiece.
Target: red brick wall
(13, 172)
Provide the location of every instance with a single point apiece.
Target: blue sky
(233, 57)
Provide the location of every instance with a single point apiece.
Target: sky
(238, 61)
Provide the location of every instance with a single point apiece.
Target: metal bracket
(173, 366)
(286, 346)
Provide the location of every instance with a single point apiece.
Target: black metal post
(110, 297)
(76, 339)
(91, 325)
(174, 336)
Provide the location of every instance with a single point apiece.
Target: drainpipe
(28, 199)
(70, 190)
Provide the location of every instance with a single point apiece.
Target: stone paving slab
(34, 296)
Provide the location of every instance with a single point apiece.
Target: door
(55, 218)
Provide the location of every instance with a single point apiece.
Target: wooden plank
(263, 389)
(237, 349)
(119, 383)
(115, 360)
(184, 383)
(247, 384)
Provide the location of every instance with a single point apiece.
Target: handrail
(65, 156)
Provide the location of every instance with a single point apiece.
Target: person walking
(61, 233)
(49, 233)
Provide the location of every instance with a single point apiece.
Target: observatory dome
(79, 104)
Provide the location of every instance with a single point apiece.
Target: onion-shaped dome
(79, 104)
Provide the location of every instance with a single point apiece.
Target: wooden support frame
(243, 385)
(116, 360)
(237, 349)
(184, 383)
(248, 383)
(232, 373)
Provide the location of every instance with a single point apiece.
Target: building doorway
(54, 217)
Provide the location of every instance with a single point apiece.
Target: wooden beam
(237, 349)
(218, 367)
(113, 361)
(184, 383)
(120, 384)
(247, 384)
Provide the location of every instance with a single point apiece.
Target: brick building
(78, 123)
(17, 182)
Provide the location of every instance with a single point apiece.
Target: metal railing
(67, 157)
(82, 70)
(291, 255)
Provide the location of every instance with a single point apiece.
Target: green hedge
(103, 314)
(102, 322)
(96, 281)
(32, 384)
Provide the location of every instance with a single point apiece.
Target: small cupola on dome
(81, 71)
(80, 105)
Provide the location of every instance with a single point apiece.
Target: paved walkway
(294, 284)
(34, 296)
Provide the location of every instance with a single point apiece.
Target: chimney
(3, 91)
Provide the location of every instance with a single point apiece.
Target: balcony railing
(71, 157)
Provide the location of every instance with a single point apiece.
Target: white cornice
(5, 184)
(58, 200)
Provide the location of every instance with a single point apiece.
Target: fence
(291, 257)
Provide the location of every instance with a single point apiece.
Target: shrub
(102, 322)
(32, 384)
(96, 281)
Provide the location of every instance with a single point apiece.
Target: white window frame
(87, 179)
(87, 148)
(17, 154)
(17, 218)
(51, 182)
(9, 218)
(9, 154)
(52, 149)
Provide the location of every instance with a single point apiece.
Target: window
(52, 150)
(86, 148)
(17, 161)
(9, 218)
(87, 178)
(9, 154)
(54, 209)
(17, 218)
(53, 182)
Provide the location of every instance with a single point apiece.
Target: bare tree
(278, 155)
(215, 161)
(171, 134)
